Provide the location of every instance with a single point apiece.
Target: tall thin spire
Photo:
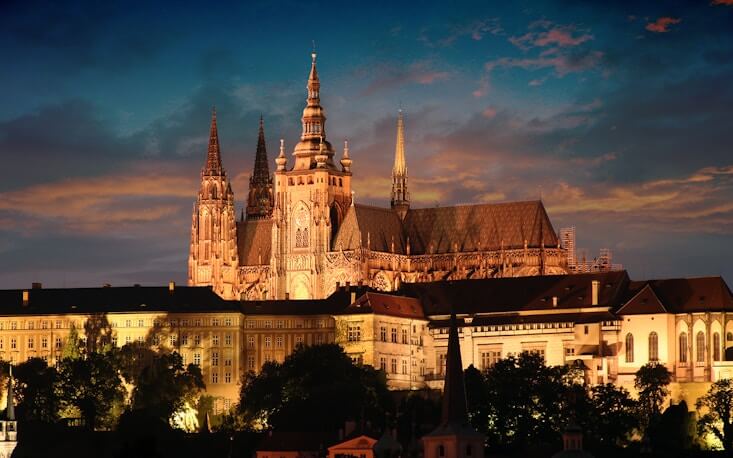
(213, 158)
(10, 408)
(260, 199)
(313, 135)
(455, 412)
(400, 196)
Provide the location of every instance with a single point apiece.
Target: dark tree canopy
(652, 382)
(717, 419)
(316, 388)
(35, 391)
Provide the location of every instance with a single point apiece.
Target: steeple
(455, 412)
(314, 126)
(400, 197)
(260, 199)
(10, 408)
(213, 158)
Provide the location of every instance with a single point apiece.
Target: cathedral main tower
(213, 259)
(311, 200)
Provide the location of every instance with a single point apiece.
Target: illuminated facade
(304, 236)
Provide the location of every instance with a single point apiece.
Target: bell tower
(311, 200)
(213, 259)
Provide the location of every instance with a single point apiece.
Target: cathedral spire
(213, 158)
(454, 412)
(400, 197)
(10, 408)
(313, 135)
(260, 199)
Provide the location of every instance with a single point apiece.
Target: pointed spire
(455, 412)
(260, 199)
(314, 85)
(213, 158)
(400, 197)
(345, 159)
(400, 167)
(281, 160)
(313, 134)
(10, 408)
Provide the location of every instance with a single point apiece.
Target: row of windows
(318, 339)
(309, 180)
(393, 335)
(282, 324)
(653, 346)
(393, 365)
(140, 323)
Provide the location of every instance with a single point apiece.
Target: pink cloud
(562, 64)
(489, 112)
(722, 2)
(561, 36)
(662, 24)
(418, 73)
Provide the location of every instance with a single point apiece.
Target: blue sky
(618, 114)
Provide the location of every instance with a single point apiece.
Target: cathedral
(302, 235)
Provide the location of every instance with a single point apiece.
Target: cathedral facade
(302, 235)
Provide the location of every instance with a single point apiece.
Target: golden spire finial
(346, 160)
(313, 53)
(281, 160)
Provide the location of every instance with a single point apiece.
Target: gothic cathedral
(302, 236)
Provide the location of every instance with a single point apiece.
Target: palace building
(302, 235)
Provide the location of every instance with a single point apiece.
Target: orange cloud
(722, 2)
(662, 24)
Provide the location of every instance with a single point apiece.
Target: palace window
(184, 339)
(250, 341)
(215, 339)
(653, 346)
(44, 325)
(268, 342)
(383, 364)
(128, 339)
(58, 324)
(215, 322)
(227, 321)
(441, 363)
(394, 365)
(44, 342)
(394, 335)
(141, 323)
(319, 339)
(214, 358)
(279, 342)
(214, 377)
(404, 336)
(197, 359)
(197, 322)
(227, 377)
(227, 360)
(716, 346)
(404, 367)
(227, 339)
(489, 358)
(114, 341)
(197, 339)
(629, 348)
(383, 333)
(700, 347)
(251, 362)
(353, 333)
(298, 340)
(683, 347)
(30, 343)
(59, 343)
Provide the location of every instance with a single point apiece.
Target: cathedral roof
(386, 304)
(444, 229)
(479, 227)
(254, 241)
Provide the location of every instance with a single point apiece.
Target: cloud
(552, 35)
(562, 64)
(439, 37)
(391, 77)
(662, 24)
(722, 2)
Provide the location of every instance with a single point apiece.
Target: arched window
(298, 238)
(716, 346)
(305, 237)
(700, 347)
(653, 346)
(629, 348)
(683, 347)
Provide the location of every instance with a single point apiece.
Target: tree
(35, 390)
(652, 381)
(98, 332)
(527, 401)
(165, 386)
(316, 388)
(718, 419)
(477, 397)
(92, 385)
(612, 416)
(72, 345)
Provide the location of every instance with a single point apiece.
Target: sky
(617, 114)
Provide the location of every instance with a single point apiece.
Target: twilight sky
(620, 115)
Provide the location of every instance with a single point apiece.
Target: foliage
(718, 418)
(611, 416)
(73, 345)
(35, 390)
(477, 397)
(92, 385)
(98, 332)
(165, 386)
(652, 382)
(316, 388)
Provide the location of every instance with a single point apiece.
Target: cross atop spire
(213, 158)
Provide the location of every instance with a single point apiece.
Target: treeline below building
(133, 401)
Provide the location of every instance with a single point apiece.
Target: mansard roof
(518, 293)
(684, 295)
(387, 304)
(254, 241)
(479, 227)
(53, 301)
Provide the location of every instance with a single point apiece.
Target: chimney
(26, 297)
(287, 296)
(554, 301)
(36, 285)
(171, 286)
(353, 297)
(595, 286)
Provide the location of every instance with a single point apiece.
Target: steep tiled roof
(376, 225)
(479, 227)
(386, 304)
(518, 294)
(513, 318)
(684, 295)
(642, 301)
(117, 299)
(254, 241)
